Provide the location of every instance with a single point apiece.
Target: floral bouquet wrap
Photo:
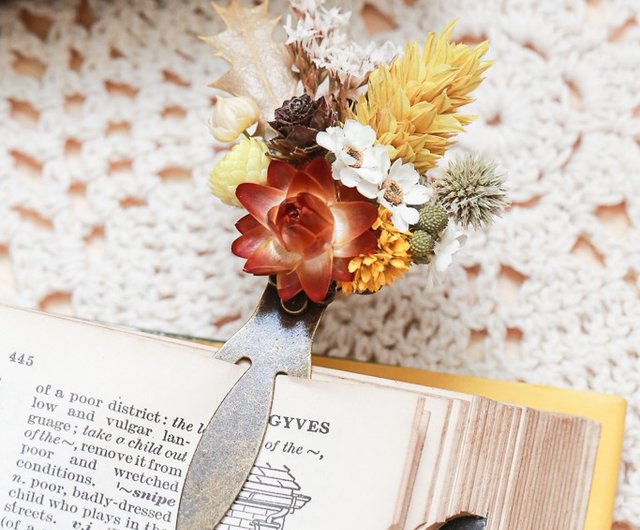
(339, 145)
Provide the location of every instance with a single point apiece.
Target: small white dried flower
(400, 189)
(359, 163)
(322, 34)
(445, 248)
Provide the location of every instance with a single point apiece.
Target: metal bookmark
(276, 340)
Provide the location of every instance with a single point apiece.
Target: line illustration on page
(267, 498)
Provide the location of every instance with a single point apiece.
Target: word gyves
(300, 424)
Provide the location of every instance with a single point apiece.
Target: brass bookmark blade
(277, 340)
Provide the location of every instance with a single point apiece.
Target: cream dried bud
(231, 116)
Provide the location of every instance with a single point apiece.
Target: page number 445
(26, 360)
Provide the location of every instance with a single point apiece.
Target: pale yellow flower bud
(231, 116)
(246, 162)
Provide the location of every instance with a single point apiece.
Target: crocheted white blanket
(105, 210)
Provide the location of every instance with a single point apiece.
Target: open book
(98, 426)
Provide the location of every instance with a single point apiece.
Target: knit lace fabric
(105, 211)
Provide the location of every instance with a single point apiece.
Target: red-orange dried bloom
(298, 230)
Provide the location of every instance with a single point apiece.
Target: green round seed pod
(433, 219)
(421, 247)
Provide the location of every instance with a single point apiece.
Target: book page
(99, 425)
(448, 412)
(354, 463)
(432, 465)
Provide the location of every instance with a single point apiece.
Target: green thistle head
(472, 191)
(422, 244)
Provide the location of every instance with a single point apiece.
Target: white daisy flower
(400, 189)
(359, 163)
(450, 242)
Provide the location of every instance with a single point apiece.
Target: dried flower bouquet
(334, 149)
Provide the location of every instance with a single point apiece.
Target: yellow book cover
(607, 410)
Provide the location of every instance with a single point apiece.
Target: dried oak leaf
(260, 67)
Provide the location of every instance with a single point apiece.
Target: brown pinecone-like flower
(297, 123)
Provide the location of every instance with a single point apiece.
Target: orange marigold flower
(384, 265)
